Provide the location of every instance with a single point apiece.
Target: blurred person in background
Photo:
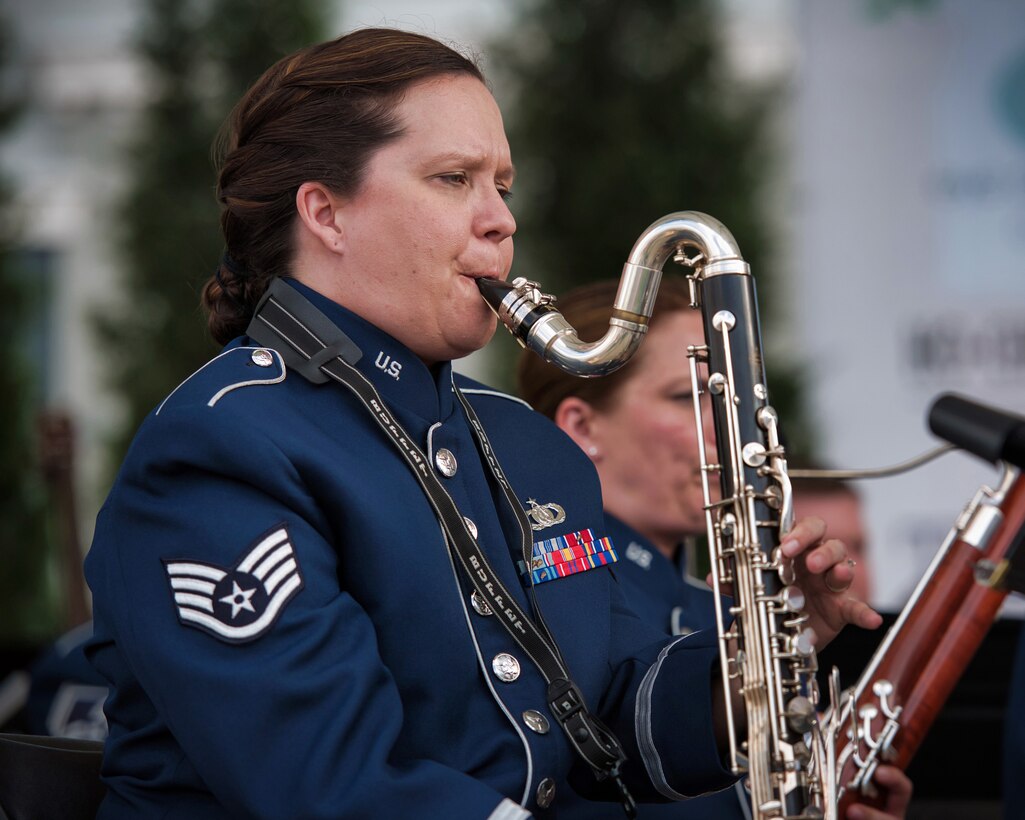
(637, 427)
(838, 502)
(66, 695)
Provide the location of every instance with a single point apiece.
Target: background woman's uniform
(286, 634)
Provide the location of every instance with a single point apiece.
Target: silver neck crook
(534, 322)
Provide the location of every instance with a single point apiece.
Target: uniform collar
(399, 375)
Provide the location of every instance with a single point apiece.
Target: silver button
(506, 667)
(480, 606)
(470, 526)
(446, 462)
(264, 358)
(536, 721)
(545, 793)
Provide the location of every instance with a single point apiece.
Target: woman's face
(647, 441)
(431, 218)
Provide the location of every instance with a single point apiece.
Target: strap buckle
(597, 745)
(565, 699)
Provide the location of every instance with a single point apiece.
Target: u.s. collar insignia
(240, 603)
(544, 515)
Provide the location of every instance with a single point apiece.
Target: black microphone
(992, 434)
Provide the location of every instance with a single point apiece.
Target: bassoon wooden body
(904, 687)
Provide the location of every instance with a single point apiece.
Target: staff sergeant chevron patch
(240, 603)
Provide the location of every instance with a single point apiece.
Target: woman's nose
(496, 221)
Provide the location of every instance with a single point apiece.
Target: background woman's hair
(588, 309)
(317, 115)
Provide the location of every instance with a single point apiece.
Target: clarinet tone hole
(800, 714)
(793, 598)
(724, 319)
(754, 454)
(804, 644)
(766, 417)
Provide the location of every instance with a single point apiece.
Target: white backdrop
(910, 245)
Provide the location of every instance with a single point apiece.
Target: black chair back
(49, 778)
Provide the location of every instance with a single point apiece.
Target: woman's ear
(576, 418)
(320, 212)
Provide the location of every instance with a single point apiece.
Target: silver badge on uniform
(240, 603)
(543, 516)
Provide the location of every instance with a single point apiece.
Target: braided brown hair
(317, 115)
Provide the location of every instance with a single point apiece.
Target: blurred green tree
(25, 582)
(619, 112)
(201, 56)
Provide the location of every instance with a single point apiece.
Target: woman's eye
(505, 193)
(454, 179)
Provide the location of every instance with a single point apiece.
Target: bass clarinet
(766, 651)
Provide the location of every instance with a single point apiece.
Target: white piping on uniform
(646, 742)
(498, 393)
(507, 810)
(642, 728)
(214, 359)
(232, 387)
(225, 390)
(494, 694)
(430, 440)
(484, 669)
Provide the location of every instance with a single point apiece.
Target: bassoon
(885, 716)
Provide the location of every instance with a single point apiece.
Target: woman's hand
(824, 572)
(897, 788)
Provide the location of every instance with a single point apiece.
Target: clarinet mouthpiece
(494, 291)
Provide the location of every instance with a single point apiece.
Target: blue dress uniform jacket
(663, 595)
(286, 635)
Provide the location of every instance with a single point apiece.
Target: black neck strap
(314, 346)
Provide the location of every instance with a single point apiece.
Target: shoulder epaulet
(227, 372)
